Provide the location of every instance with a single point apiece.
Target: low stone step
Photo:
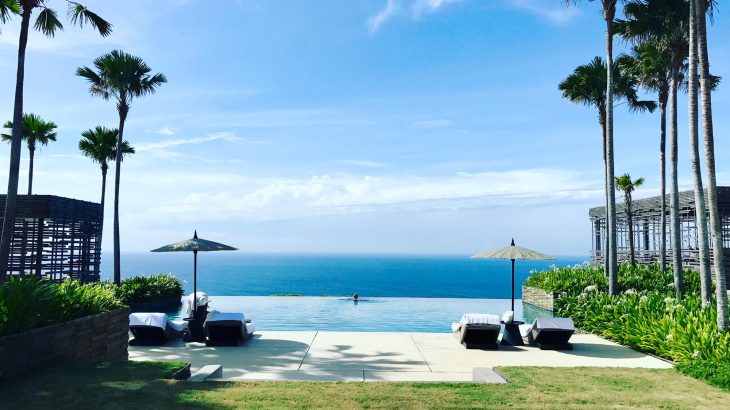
(487, 375)
(211, 371)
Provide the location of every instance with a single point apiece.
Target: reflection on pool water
(368, 314)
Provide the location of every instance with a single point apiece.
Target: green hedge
(149, 289)
(714, 372)
(574, 280)
(29, 302)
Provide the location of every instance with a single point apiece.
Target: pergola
(647, 229)
(55, 238)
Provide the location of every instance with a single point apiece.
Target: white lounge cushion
(216, 316)
(177, 326)
(148, 319)
(508, 316)
(250, 328)
(479, 319)
(525, 330)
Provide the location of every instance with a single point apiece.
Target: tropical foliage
(29, 302)
(149, 289)
(36, 131)
(625, 184)
(123, 78)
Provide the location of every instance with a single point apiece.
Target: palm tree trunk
(104, 168)
(15, 147)
(715, 226)
(613, 262)
(663, 182)
(630, 221)
(123, 110)
(31, 154)
(674, 190)
(602, 119)
(700, 208)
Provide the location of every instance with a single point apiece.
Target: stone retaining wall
(97, 338)
(538, 297)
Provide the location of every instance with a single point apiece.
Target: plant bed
(95, 338)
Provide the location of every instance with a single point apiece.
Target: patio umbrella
(195, 245)
(512, 252)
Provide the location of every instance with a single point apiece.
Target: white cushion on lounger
(554, 323)
(148, 319)
(508, 316)
(216, 316)
(525, 330)
(177, 326)
(250, 328)
(479, 319)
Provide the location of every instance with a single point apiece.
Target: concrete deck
(360, 356)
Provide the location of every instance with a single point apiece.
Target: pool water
(369, 314)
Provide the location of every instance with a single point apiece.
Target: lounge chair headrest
(554, 323)
(148, 319)
(480, 319)
(508, 316)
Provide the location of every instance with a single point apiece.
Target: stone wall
(97, 338)
(538, 297)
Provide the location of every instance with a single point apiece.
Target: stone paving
(363, 356)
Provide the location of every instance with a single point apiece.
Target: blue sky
(359, 126)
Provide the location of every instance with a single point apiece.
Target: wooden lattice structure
(55, 238)
(647, 229)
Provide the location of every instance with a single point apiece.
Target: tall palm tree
(586, 86)
(100, 145)
(35, 131)
(701, 7)
(609, 14)
(628, 186)
(121, 77)
(666, 22)
(652, 69)
(47, 23)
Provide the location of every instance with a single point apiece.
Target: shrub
(149, 289)
(573, 280)
(715, 372)
(29, 302)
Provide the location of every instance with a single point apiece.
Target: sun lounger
(477, 331)
(549, 333)
(226, 329)
(153, 329)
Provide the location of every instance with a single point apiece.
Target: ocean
(413, 276)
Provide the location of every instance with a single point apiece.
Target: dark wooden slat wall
(647, 222)
(55, 238)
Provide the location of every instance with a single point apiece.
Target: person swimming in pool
(355, 297)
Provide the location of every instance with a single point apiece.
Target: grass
(144, 385)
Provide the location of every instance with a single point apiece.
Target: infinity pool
(369, 314)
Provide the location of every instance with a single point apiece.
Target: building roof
(653, 204)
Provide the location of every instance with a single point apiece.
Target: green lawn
(144, 386)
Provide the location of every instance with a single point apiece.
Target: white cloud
(554, 11)
(421, 7)
(437, 123)
(288, 198)
(163, 131)
(385, 14)
(168, 143)
(364, 163)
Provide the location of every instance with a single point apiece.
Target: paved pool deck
(364, 356)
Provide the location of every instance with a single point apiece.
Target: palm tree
(609, 14)
(586, 86)
(665, 22)
(47, 23)
(100, 145)
(35, 131)
(122, 77)
(701, 6)
(628, 186)
(652, 70)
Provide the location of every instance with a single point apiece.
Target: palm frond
(8, 8)
(47, 22)
(80, 15)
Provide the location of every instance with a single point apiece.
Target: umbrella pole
(195, 282)
(513, 285)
